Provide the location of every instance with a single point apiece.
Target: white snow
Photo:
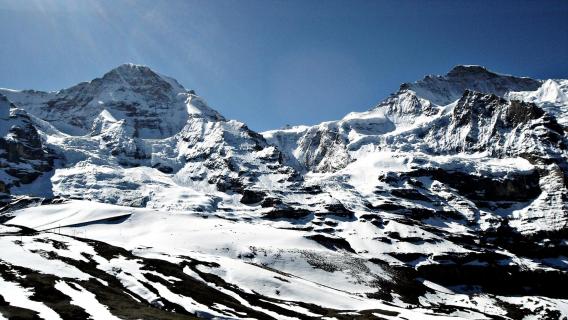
(17, 296)
(86, 300)
(21, 255)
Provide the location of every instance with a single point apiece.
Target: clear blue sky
(271, 63)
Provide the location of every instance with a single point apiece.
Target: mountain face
(128, 197)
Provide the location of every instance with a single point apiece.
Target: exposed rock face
(5, 107)
(324, 149)
(482, 122)
(515, 187)
(23, 156)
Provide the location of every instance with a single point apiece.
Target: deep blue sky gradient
(271, 63)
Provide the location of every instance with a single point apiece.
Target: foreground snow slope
(128, 197)
(280, 265)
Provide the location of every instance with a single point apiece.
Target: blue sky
(271, 63)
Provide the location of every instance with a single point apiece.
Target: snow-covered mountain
(151, 105)
(134, 137)
(412, 108)
(429, 118)
(129, 197)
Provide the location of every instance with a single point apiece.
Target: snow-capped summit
(466, 112)
(442, 90)
(138, 76)
(462, 70)
(153, 105)
(415, 105)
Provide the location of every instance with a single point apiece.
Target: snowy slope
(254, 259)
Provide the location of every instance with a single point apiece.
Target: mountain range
(128, 197)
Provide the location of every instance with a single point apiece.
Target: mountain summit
(442, 90)
(151, 105)
(139, 76)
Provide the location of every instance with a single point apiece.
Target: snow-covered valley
(128, 197)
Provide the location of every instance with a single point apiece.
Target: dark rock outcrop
(23, 156)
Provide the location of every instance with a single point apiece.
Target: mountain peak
(136, 75)
(442, 90)
(131, 69)
(461, 70)
(153, 105)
